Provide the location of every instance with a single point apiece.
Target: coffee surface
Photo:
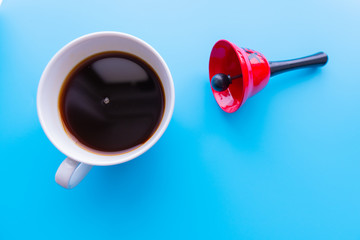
(112, 101)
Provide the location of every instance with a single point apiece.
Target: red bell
(239, 73)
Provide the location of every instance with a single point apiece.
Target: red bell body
(231, 60)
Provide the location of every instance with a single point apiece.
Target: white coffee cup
(79, 159)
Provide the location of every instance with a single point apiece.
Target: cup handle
(71, 172)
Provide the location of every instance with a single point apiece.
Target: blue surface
(285, 166)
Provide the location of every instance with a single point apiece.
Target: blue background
(285, 166)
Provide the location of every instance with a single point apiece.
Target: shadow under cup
(64, 62)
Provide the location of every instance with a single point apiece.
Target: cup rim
(108, 159)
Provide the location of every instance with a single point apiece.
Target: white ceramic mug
(79, 160)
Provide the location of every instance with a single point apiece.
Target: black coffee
(112, 101)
